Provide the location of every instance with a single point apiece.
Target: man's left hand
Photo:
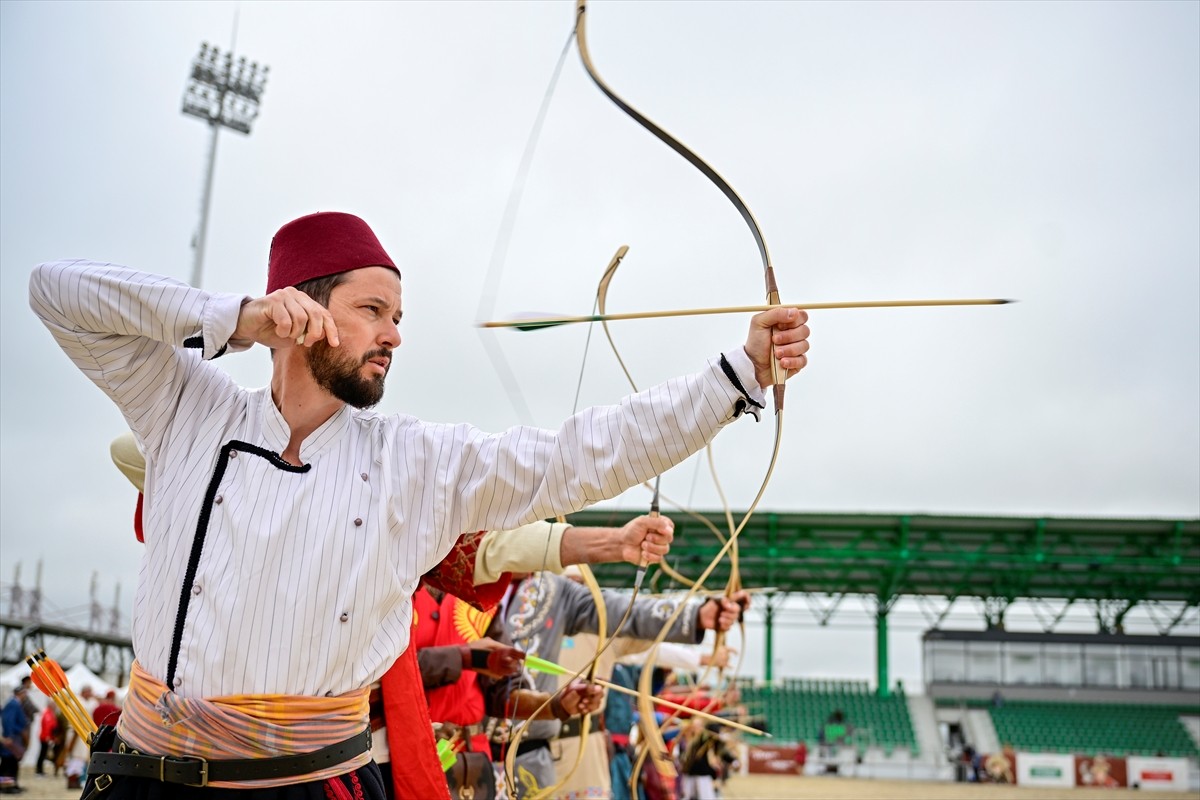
(721, 613)
(646, 539)
(780, 333)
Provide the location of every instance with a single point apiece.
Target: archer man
(287, 527)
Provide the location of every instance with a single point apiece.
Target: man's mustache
(383, 352)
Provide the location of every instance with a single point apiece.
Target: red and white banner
(771, 759)
(1170, 774)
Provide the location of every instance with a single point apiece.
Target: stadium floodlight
(225, 93)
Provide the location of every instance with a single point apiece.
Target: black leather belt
(201, 772)
(572, 726)
(529, 745)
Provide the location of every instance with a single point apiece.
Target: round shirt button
(178, 682)
(220, 499)
(364, 476)
(358, 522)
(329, 694)
(233, 453)
(345, 616)
(196, 589)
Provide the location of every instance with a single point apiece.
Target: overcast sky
(1048, 152)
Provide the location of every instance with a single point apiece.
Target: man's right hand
(646, 539)
(285, 318)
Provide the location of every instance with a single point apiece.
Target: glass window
(947, 661)
(1100, 665)
(1164, 667)
(1063, 664)
(1022, 663)
(983, 662)
(1189, 672)
(1139, 667)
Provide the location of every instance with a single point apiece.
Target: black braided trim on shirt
(193, 565)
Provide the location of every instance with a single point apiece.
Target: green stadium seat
(1114, 728)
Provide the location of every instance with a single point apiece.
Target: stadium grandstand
(1034, 707)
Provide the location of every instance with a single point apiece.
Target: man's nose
(390, 337)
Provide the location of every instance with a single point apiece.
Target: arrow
(50, 679)
(537, 323)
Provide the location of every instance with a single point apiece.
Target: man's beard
(340, 375)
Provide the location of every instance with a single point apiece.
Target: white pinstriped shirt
(260, 578)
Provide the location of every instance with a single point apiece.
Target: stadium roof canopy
(888, 555)
(1113, 565)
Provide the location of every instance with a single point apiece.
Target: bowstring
(499, 257)
(490, 292)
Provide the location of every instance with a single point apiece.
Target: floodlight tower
(225, 94)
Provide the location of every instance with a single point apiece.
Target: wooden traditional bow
(656, 747)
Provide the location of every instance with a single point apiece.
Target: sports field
(783, 787)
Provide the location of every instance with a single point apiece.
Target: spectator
(47, 751)
(14, 734)
(31, 709)
(836, 728)
(107, 712)
(972, 765)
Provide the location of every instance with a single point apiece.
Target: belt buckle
(203, 772)
(162, 762)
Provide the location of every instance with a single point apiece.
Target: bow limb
(772, 288)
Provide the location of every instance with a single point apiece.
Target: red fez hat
(321, 244)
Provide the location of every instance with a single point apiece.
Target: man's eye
(372, 309)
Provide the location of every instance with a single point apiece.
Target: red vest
(452, 623)
(408, 724)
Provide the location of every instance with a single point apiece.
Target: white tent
(80, 676)
(11, 677)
